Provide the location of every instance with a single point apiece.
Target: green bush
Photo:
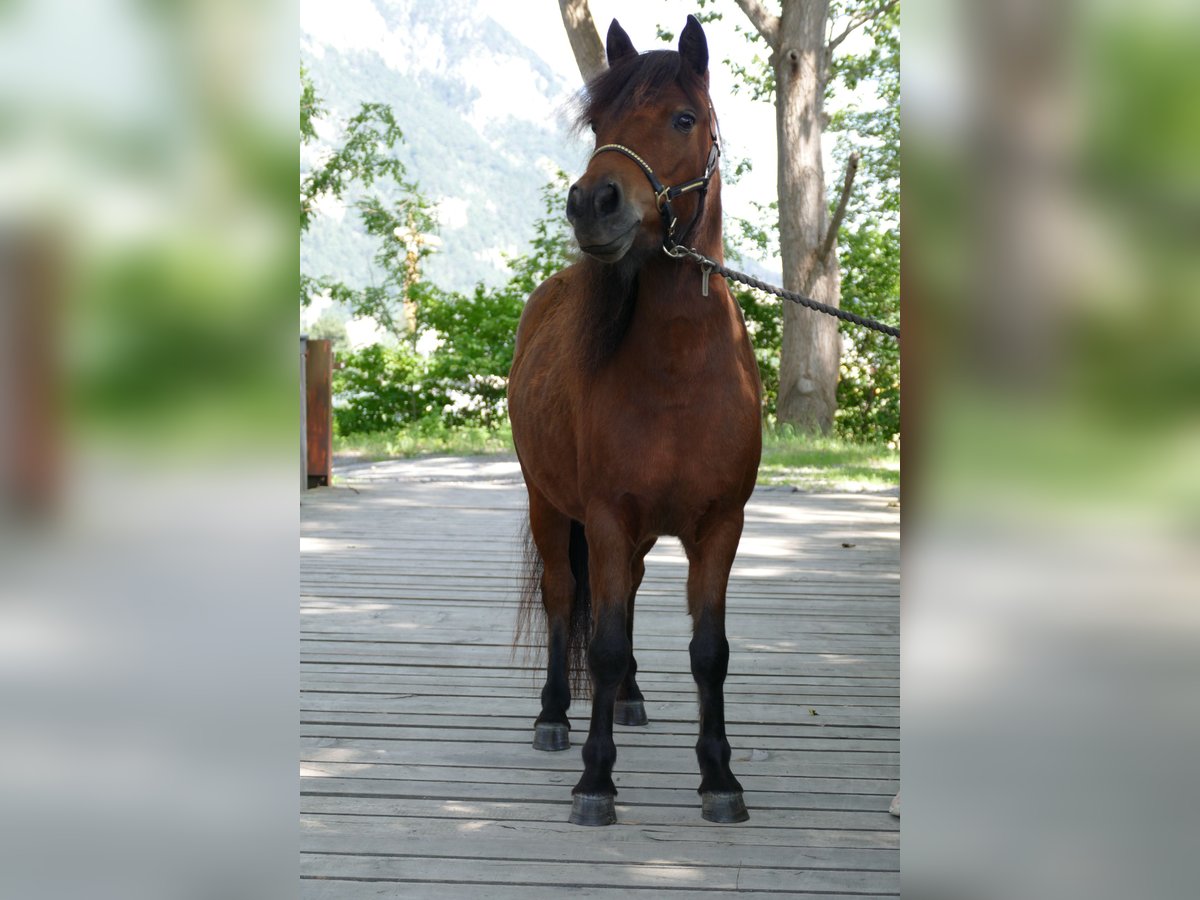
(868, 391)
(476, 337)
(381, 387)
(477, 333)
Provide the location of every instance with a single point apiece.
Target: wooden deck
(418, 777)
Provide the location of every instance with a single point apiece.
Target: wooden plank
(417, 870)
(812, 661)
(659, 711)
(319, 763)
(494, 740)
(435, 617)
(797, 733)
(681, 692)
(630, 758)
(656, 686)
(826, 794)
(320, 887)
(534, 677)
(317, 836)
(780, 840)
(630, 811)
(496, 791)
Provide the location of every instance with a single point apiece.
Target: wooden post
(318, 372)
(303, 414)
(30, 430)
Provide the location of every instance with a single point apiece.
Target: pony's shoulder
(558, 283)
(545, 298)
(553, 289)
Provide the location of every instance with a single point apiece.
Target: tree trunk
(808, 371)
(584, 38)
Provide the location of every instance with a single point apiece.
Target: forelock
(634, 81)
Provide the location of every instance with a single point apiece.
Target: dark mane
(609, 297)
(635, 80)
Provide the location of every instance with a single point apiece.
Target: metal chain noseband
(707, 266)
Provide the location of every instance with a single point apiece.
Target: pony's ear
(618, 45)
(693, 46)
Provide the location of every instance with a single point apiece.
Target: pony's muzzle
(605, 223)
(600, 202)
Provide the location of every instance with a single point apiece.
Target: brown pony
(634, 398)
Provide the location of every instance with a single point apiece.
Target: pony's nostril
(607, 199)
(573, 202)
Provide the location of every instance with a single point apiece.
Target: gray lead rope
(708, 266)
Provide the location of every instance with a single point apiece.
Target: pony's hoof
(551, 736)
(593, 809)
(630, 712)
(724, 807)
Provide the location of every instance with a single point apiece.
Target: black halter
(663, 195)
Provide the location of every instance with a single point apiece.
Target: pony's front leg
(711, 559)
(610, 552)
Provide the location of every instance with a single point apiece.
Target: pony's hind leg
(711, 559)
(630, 708)
(552, 534)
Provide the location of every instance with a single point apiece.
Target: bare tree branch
(840, 213)
(584, 38)
(816, 262)
(857, 22)
(764, 22)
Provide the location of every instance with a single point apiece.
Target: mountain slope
(481, 114)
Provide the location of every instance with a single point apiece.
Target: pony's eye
(592, 125)
(685, 122)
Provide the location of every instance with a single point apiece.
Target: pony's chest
(679, 389)
(682, 352)
(674, 441)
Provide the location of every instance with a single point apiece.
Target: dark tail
(531, 611)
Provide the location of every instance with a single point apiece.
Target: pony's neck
(619, 301)
(669, 282)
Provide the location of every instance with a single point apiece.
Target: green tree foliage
(762, 311)
(463, 380)
(477, 333)
(364, 156)
(869, 386)
(869, 239)
(331, 326)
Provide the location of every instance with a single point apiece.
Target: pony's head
(656, 147)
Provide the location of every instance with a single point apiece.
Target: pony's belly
(676, 476)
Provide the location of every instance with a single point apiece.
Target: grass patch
(826, 463)
(809, 463)
(424, 439)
